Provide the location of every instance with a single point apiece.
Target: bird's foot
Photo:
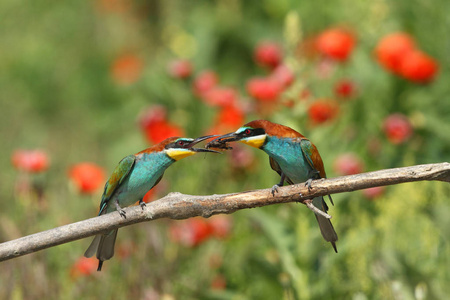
(313, 174)
(276, 186)
(142, 204)
(308, 184)
(317, 211)
(122, 212)
(275, 189)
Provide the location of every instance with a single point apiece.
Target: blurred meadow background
(85, 83)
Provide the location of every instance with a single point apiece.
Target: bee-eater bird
(135, 175)
(292, 156)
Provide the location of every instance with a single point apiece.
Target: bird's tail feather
(103, 245)
(326, 228)
(106, 246)
(93, 246)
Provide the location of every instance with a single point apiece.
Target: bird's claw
(313, 174)
(308, 184)
(122, 213)
(142, 204)
(275, 189)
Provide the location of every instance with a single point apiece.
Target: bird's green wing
(276, 167)
(120, 173)
(312, 156)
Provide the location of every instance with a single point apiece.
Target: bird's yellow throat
(178, 154)
(255, 141)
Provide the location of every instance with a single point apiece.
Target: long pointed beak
(221, 141)
(200, 139)
(204, 150)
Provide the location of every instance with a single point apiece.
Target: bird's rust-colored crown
(274, 129)
(160, 146)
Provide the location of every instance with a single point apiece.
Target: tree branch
(180, 206)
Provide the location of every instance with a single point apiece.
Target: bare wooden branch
(180, 206)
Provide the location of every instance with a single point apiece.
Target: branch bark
(181, 206)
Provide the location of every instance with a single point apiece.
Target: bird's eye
(247, 131)
(180, 143)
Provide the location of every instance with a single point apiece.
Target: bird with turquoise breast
(291, 155)
(133, 177)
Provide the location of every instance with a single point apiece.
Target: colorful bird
(135, 175)
(292, 156)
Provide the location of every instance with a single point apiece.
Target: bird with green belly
(135, 175)
(292, 156)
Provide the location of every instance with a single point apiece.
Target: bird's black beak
(198, 140)
(221, 141)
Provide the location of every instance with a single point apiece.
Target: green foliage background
(57, 94)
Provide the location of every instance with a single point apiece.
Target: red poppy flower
(264, 89)
(418, 67)
(336, 43)
(397, 128)
(392, 48)
(152, 115)
(191, 232)
(158, 132)
(322, 110)
(345, 89)
(155, 125)
(374, 192)
(230, 116)
(268, 54)
(180, 68)
(221, 225)
(84, 267)
(284, 75)
(204, 82)
(87, 177)
(348, 164)
(127, 69)
(221, 96)
(32, 161)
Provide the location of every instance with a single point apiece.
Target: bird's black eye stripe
(258, 131)
(177, 144)
(253, 132)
